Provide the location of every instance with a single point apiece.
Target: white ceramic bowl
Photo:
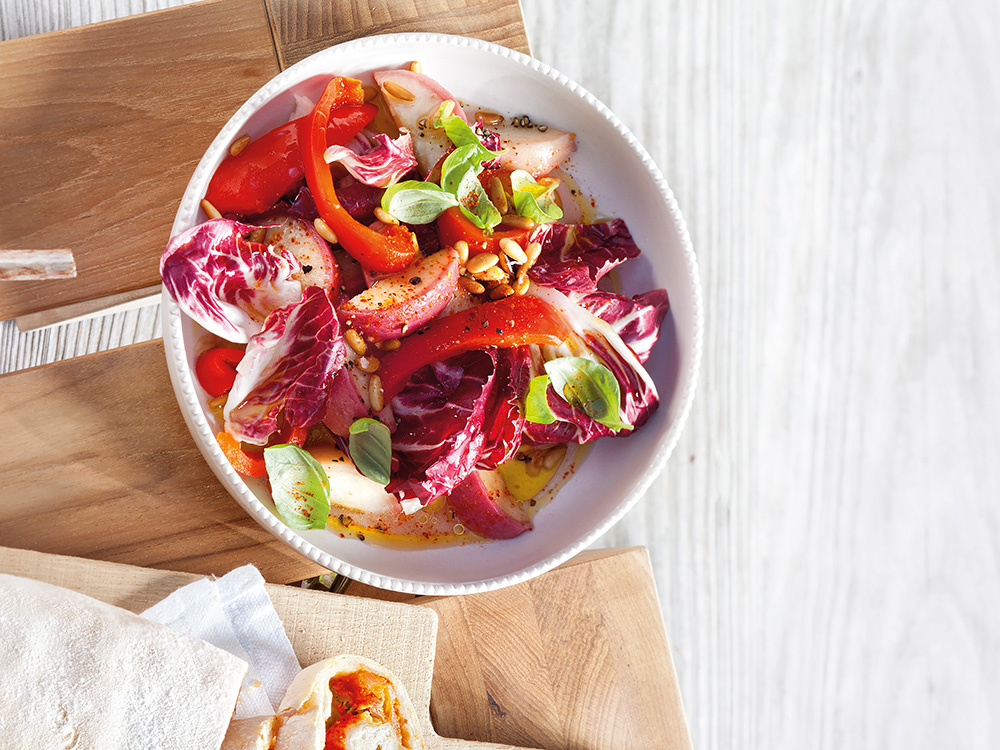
(611, 166)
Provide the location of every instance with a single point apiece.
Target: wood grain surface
(116, 475)
(825, 537)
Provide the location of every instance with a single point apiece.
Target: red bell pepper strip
(505, 323)
(216, 369)
(249, 460)
(271, 166)
(452, 226)
(389, 250)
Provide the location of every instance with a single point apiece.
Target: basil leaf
(299, 486)
(417, 202)
(370, 445)
(532, 200)
(590, 387)
(475, 203)
(455, 166)
(460, 132)
(536, 404)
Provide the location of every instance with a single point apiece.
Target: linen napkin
(235, 614)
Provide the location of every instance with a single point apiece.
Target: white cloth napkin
(235, 614)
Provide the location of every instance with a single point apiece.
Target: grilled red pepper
(452, 226)
(394, 247)
(505, 323)
(271, 166)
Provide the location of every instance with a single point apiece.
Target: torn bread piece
(347, 703)
(80, 673)
(258, 733)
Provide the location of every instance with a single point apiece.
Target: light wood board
(103, 125)
(318, 624)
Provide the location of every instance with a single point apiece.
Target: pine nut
(470, 285)
(513, 250)
(552, 458)
(217, 404)
(393, 89)
(369, 364)
(324, 231)
(355, 341)
(237, 146)
(497, 195)
(500, 291)
(384, 216)
(489, 118)
(504, 263)
(532, 252)
(370, 92)
(479, 263)
(376, 395)
(516, 220)
(391, 345)
(446, 108)
(493, 273)
(212, 211)
(463, 251)
(521, 285)
(416, 67)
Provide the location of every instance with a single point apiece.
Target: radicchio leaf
(636, 320)
(382, 164)
(599, 341)
(575, 257)
(358, 199)
(503, 418)
(289, 365)
(439, 436)
(227, 284)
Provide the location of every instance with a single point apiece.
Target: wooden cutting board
(101, 126)
(576, 658)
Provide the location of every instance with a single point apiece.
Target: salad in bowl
(402, 322)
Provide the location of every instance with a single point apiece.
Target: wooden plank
(101, 128)
(318, 624)
(302, 27)
(100, 464)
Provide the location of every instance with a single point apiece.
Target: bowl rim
(187, 397)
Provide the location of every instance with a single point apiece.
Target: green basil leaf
(590, 387)
(475, 203)
(370, 445)
(299, 486)
(534, 201)
(536, 404)
(417, 202)
(460, 132)
(456, 164)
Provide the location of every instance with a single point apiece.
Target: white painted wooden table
(826, 537)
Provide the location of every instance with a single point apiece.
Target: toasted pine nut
(384, 216)
(237, 146)
(355, 341)
(521, 285)
(504, 263)
(212, 211)
(391, 345)
(369, 364)
(493, 273)
(500, 291)
(471, 285)
(516, 220)
(479, 263)
(532, 252)
(217, 404)
(416, 67)
(497, 195)
(513, 250)
(552, 458)
(324, 231)
(449, 108)
(393, 89)
(463, 251)
(370, 92)
(533, 468)
(489, 118)
(376, 395)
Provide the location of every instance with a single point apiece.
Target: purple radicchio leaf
(504, 418)
(637, 320)
(358, 199)
(381, 165)
(575, 257)
(439, 436)
(639, 398)
(491, 140)
(225, 283)
(289, 365)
